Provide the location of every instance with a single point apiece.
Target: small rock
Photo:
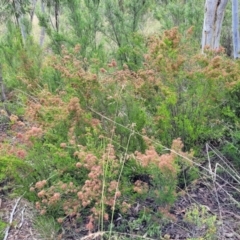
(229, 235)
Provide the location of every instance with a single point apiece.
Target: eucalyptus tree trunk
(42, 33)
(56, 13)
(19, 18)
(235, 31)
(213, 18)
(34, 3)
(16, 13)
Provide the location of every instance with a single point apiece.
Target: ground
(22, 227)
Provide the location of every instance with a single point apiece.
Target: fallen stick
(11, 217)
(22, 219)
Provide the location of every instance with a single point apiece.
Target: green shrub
(231, 147)
(21, 63)
(182, 15)
(201, 218)
(16, 172)
(185, 92)
(3, 226)
(100, 184)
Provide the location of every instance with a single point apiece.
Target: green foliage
(103, 124)
(95, 158)
(186, 113)
(231, 115)
(21, 62)
(130, 114)
(184, 94)
(84, 23)
(181, 14)
(231, 109)
(199, 216)
(231, 147)
(50, 162)
(156, 185)
(10, 45)
(144, 223)
(14, 106)
(17, 172)
(85, 19)
(164, 186)
(131, 52)
(124, 19)
(47, 227)
(3, 226)
(187, 175)
(98, 26)
(100, 175)
(51, 78)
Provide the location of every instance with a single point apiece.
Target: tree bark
(213, 18)
(56, 13)
(3, 96)
(235, 31)
(34, 3)
(42, 33)
(16, 14)
(19, 19)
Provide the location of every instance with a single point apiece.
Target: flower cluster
(73, 199)
(140, 187)
(163, 162)
(61, 195)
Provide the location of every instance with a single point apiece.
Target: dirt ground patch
(19, 214)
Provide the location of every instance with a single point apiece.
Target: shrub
(3, 226)
(95, 142)
(102, 184)
(15, 170)
(21, 64)
(184, 92)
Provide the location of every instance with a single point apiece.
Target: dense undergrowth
(92, 144)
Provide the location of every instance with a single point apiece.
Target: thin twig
(118, 181)
(22, 218)
(30, 96)
(229, 165)
(11, 217)
(213, 175)
(108, 159)
(32, 234)
(233, 214)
